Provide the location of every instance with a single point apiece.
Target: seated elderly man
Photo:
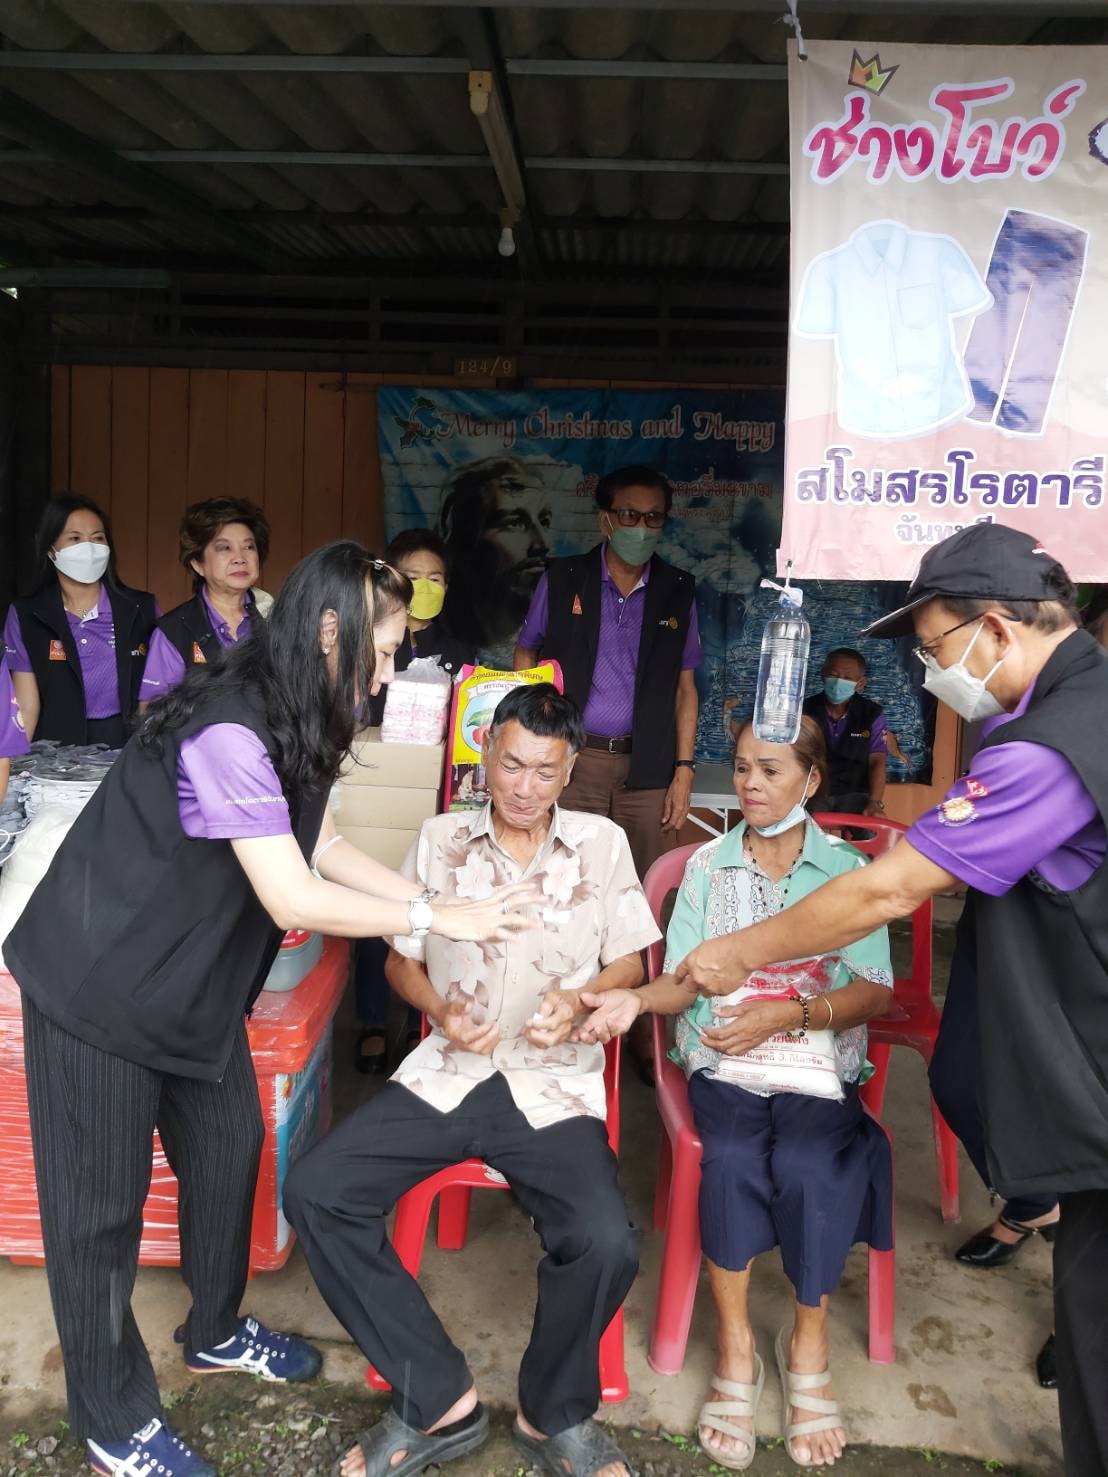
(499, 1077)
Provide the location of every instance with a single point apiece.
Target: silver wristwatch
(421, 914)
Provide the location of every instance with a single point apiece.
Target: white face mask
(959, 689)
(795, 816)
(84, 563)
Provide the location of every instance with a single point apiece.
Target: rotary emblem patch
(958, 811)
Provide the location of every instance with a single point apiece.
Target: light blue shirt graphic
(889, 297)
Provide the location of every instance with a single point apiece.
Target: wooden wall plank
(90, 432)
(321, 519)
(246, 435)
(130, 470)
(284, 471)
(361, 475)
(168, 483)
(59, 427)
(207, 463)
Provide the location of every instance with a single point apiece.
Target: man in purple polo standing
(622, 624)
(996, 623)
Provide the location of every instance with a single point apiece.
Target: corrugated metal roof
(321, 214)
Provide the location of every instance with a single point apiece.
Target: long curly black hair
(312, 718)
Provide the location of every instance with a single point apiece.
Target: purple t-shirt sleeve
(13, 737)
(878, 729)
(693, 653)
(533, 632)
(1018, 804)
(164, 668)
(18, 660)
(227, 788)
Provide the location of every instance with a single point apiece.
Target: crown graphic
(870, 74)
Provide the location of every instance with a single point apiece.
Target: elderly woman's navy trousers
(807, 1175)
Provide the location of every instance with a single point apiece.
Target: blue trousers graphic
(1015, 347)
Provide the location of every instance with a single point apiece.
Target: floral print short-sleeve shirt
(593, 913)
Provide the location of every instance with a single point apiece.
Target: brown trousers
(598, 787)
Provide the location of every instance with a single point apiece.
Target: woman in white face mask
(809, 1174)
(76, 646)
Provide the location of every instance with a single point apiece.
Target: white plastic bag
(417, 704)
(807, 1064)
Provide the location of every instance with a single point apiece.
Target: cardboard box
(384, 846)
(398, 766)
(393, 809)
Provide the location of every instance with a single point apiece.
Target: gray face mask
(959, 689)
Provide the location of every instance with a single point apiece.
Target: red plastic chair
(913, 1017)
(677, 1187)
(453, 1187)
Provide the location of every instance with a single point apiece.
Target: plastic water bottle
(783, 669)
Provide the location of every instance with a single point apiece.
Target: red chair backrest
(885, 834)
(662, 879)
(666, 874)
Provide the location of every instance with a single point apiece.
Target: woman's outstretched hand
(611, 1013)
(498, 916)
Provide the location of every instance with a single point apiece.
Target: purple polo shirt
(227, 788)
(836, 728)
(165, 669)
(1021, 808)
(13, 737)
(609, 712)
(94, 638)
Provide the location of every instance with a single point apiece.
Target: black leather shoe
(1046, 1365)
(986, 1252)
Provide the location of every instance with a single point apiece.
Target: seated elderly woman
(808, 1174)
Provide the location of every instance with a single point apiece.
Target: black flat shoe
(1046, 1365)
(987, 1252)
(377, 1064)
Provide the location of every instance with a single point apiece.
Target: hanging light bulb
(506, 246)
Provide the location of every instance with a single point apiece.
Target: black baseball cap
(987, 561)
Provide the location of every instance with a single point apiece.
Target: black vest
(61, 690)
(188, 629)
(1042, 963)
(849, 759)
(573, 636)
(146, 942)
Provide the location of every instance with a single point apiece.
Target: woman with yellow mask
(421, 555)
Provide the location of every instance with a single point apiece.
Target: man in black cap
(996, 624)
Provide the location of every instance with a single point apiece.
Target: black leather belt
(607, 745)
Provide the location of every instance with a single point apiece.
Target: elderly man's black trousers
(564, 1177)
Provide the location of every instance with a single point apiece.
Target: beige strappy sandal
(794, 1388)
(743, 1402)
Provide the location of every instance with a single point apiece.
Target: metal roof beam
(386, 161)
(243, 62)
(929, 9)
(56, 142)
(190, 61)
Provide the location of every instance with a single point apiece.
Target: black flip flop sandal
(375, 1064)
(381, 1442)
(586, 1448)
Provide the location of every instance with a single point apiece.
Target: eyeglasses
(631, 517)
(929, 648)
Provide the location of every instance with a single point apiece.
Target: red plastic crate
(290, 1042)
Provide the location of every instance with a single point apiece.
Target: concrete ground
(963, 1381)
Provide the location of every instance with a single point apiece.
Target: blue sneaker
(152, 1452)
(255, 1349)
